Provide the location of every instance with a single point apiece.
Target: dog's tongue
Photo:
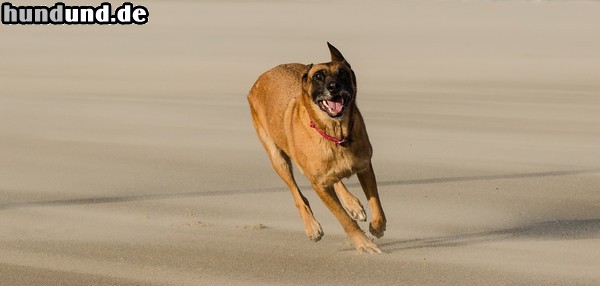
(336, 104)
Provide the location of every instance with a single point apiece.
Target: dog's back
(272, 94)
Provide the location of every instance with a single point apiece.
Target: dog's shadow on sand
(548, 230)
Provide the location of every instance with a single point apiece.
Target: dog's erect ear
(336, 55)
(305, 77)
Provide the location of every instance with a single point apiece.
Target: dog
(308, 114)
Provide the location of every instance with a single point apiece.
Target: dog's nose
(332, 86)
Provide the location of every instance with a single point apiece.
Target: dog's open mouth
(335, 106)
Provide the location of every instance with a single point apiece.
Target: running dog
(308, 114)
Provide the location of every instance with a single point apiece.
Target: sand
(127, 154)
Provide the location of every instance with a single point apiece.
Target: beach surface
(128, 157)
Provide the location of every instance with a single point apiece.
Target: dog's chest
(341, 162)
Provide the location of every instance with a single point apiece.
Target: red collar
(341, 142)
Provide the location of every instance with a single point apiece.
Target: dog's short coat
(308, 114)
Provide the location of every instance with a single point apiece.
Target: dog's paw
(314, 230)
(366, 246)
(355, 209)
(371, 249)
(377, 227)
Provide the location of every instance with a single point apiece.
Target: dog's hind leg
(283, 166)
(351, 203)
(369, 186)
(358, 237)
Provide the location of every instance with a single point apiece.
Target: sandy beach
(128, 157)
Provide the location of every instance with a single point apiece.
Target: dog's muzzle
(335, 106)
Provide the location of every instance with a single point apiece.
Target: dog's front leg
(369, 186)
(358, 237)
(352, 204)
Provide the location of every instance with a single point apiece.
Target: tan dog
(308, 113)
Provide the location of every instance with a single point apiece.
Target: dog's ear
(305, 77)
(336, 55)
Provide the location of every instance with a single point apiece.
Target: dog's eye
(318, 76)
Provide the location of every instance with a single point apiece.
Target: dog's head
(331, 86)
